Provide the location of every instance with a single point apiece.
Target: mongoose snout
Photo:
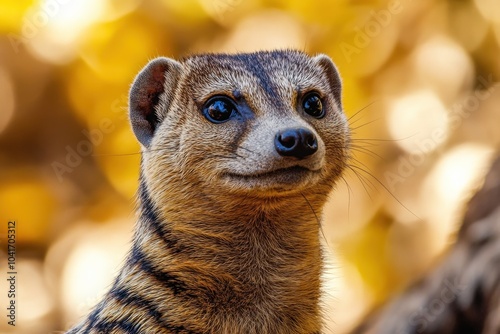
(299, 143)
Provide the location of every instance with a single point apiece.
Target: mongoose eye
(219, 109)
(313, 106)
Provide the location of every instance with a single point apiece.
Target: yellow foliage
(421, 74)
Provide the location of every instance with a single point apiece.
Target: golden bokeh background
(420, 87)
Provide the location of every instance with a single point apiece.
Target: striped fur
(219, 254)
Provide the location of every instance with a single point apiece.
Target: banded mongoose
(239, 154)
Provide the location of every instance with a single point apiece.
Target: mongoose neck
(264, 264)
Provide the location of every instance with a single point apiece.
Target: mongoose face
(266, 124)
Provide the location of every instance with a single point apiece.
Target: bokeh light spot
(418, 122)
(444, 66)
(91, 266)
(490, 9)
(271, 29)
(448, 185)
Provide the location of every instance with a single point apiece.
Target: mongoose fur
(239, 154)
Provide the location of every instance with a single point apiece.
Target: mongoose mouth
(279, 178)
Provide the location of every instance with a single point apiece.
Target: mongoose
(239, 154)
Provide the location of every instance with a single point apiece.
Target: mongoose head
(258, 125)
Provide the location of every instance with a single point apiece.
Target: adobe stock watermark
(34, 20)
(379, 20)
(85, 147)
(407, 164)
(421, 319)
(224, 7)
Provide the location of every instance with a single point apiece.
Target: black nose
(298, 142)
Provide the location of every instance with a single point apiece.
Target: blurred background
(420, 87)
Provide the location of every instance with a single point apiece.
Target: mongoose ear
(332, 75)
(151, 95)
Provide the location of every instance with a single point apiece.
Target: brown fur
(221, 246)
